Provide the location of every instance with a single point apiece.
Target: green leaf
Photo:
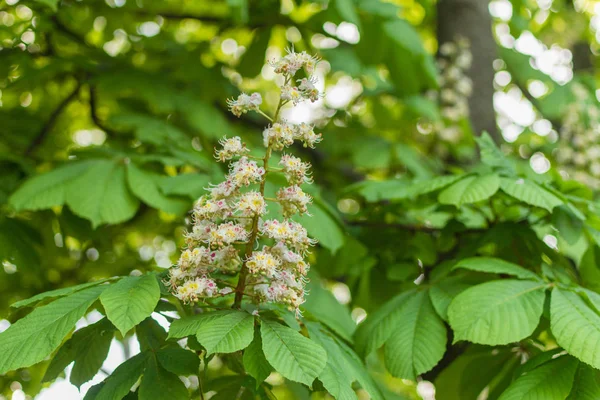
(150, 334)
(567, 224)
(88, 347)
(227, 333)
(358, 371)
(343, 366)
(323, 227)
(347, 10)
(380, 325)
(130, 301)
(575, 326)
(191, 185)
(336, 377)
(160, 384)
(119, 383)
(550, 381)
(53, 4)
(151, 130)
(496, 266)
(56, 293)
(18, 244)
(255, 363)
(253, 59)
(443, 292)
(491, 154)
(412, 69)
(473, 371)
(424, 107)
(530, 193)
(294, 356)
(585, 384)
(31, 339)
(470, 190)
(497, 312)
(418, 188)
(589, 269)
(323, 305)
(418, 343)
(187, 326)
(145, 185)
(49, 189)
(414, 162)
(101, 195)
(179, 361)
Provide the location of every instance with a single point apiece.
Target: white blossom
(245, 103)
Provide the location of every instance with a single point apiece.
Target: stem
(202, 376)
(241, 286)
(264, 115)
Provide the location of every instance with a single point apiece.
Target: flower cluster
(245, 103)
(230, 248)
(578, 151)
(293, 62)
(282, 134)
(288, 66)
(455, 89)
(231, 148)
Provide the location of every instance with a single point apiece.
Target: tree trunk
(471, 19)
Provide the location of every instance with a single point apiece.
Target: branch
(47, 128)
(94, 111)
(61, 27)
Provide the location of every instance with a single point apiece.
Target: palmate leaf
(575, 326)
(343, 367)
(255, 363)
(49, 189)
(178, 361)
(491, 154)
(18, 244)
(88, 347)
(444, 291)
(119, 383)
(150, 335)
(33, 338)
(323, 305)
(130, 301)
(101, 195)
(145, 185)
(226, 333)
(585, 384)
(380, 325)
(160, 384)
(474, 370)
(401, 189)
(497, 312)
(530, 193)
(358, 370)
(496, 266)
(56, 293)
(552, 380)
(335, 376)
(187, 326)
(322, 226)
(470, 190)
(418, 343)
(294, 356)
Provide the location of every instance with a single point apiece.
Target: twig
(52, 120)
(94, 111)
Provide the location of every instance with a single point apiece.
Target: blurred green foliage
(109, 114)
